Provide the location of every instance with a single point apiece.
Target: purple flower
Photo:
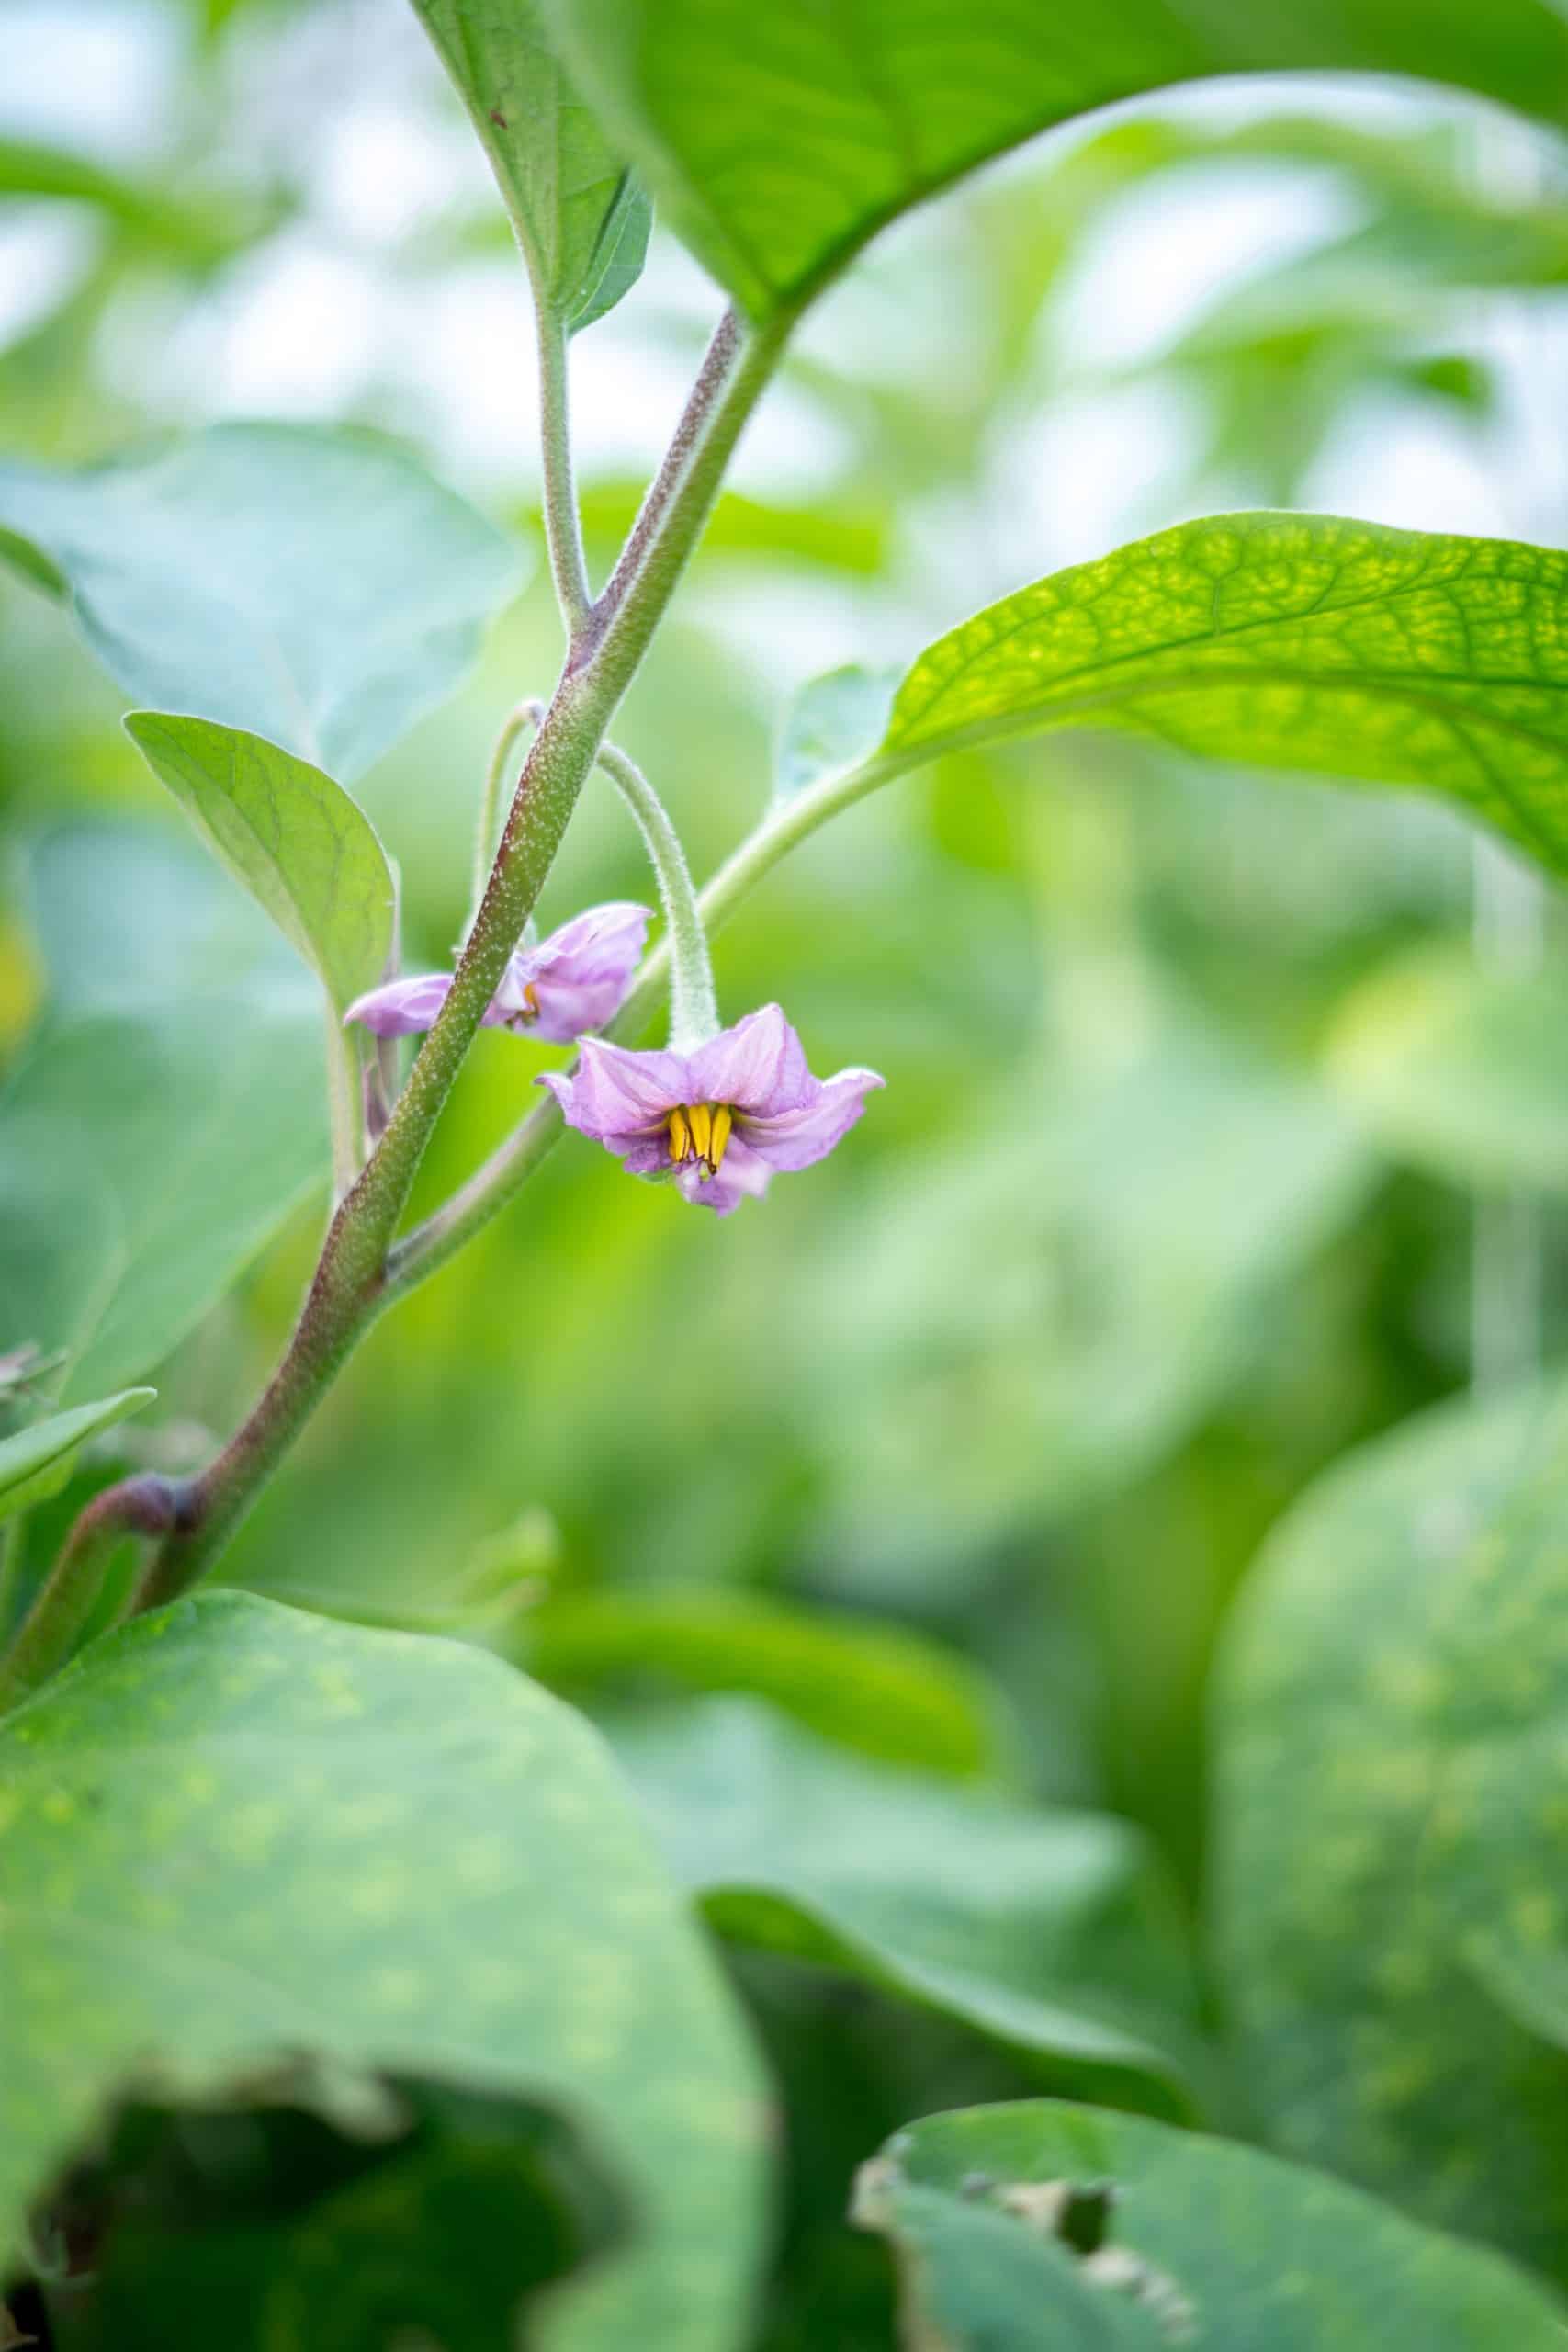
(575, 980)
(723, 1118)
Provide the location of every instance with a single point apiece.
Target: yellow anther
(530, 1001)
(699, 1119)
(723, 1121)
(680, 1137)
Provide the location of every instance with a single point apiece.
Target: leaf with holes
(232, 1833)
(313, 585)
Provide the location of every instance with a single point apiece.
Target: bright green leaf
(1049, 1932)
(780, 137)
(1289, 641)
(581, 219)
(233, 1832)
(1461, 1071)
(311, 584)
(873, 1687)
(832, 723)
(302, 848)
(36, 1462)
(1199, 2242)
(165, 1118)
(1393, 1753)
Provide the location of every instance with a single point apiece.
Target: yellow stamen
(699, 1119)
(680, 1137)
(530, 1001)
(723, 1121)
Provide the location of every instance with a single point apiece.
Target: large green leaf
(294, 837)
(35, 1462)
(1392, 1792)
(1051, 1933)
(780, 137)
(1291, 641)
(314, 585)
(164, 1118)
(234, 1832)
(1032, 2226)
(580, 219)
(871, 1686)
(1461, 1071)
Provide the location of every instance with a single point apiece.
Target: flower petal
(615, 1095)
(798, 1138)
(401, 1008)
(758, 1066)
(742, 1176)
(578, 976)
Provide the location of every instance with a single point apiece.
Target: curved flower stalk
(724, 1118)
(569, 983)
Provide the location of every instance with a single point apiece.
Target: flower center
(529, 1010)
(699, 1134)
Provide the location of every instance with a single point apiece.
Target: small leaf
(1034, 2224)
(304, 850)
(1300, 642)
(314, 587)
(779, 138)
(173, 1014)
(1393, 1690)
(1049, 1932)
(580, 219)
(1463, 1073)
(231, 1833)
(37, 1461)
(873, 1687)
(834, 722)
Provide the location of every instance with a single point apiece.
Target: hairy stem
(345, 1108)
(693, 1011)
(519, 720)
(563, 526)
(145, 1505)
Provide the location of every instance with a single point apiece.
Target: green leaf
(1392, 1727)
(37, 1461)
(165, 1118)
(312, 585)
(1463, 1073)
(580, 219)
(233, 1832)
(874, 1687)
(1051, 1933)
(1299, 642)
(304, 850)
(1034, 2224)
(779, 139)
(834, 722)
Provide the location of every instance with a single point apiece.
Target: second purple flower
(571, 983)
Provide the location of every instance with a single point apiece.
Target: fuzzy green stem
(352, 1283)
(693, 1010)
(519, 720)
(344, 1111)
(563, 526)
(145, 1505)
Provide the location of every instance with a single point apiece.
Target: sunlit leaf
(871, 1686)
(1395, 1695)
(832, 722)
(1049, 1932)
(1034, 2224)
(36, 1462)
(234, 1833)
(780, 137)
(164, 1118)
(314, 585)
(1289, 641)
(1461, 1071)
(580, 219)
(303, 849)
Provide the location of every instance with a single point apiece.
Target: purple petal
(798, 1138)
(742, 1176)
(758, 1066)
(578, 976)
(615, 1095)
(401, 1008)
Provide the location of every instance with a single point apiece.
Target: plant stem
(351, 1284)
(563, 526)
(344, 1111)
(694, 1011)
(145, 1505)
(519, 719)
